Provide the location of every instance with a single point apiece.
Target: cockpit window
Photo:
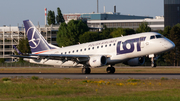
(159, 36)
(152, 37)
(156, 36)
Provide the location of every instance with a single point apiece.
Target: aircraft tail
(37, 42)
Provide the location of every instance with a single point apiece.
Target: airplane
(130, 50)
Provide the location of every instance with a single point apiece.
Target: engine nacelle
(96, 61)
(135, 61)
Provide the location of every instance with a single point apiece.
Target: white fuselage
(118, 49)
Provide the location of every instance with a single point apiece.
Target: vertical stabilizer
(37, 42)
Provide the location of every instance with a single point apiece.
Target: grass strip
(29, 89)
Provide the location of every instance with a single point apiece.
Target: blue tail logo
(37, 42)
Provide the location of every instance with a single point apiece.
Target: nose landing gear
(153, 60)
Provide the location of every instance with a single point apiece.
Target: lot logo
(129, 43)
(34, 38)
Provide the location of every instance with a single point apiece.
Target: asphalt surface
(94, 76)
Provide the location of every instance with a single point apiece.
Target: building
(102, 16)
(111, 16)
(115, 20)
(155, 24)
(10, 36)
(171, 12)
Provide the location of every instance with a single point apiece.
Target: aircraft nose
(170, 45)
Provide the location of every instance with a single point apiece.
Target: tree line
(76, 31)
(173, 56)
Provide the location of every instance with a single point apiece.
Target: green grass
(27, 89)
(34, 77)
(111, 98)
(6, 79)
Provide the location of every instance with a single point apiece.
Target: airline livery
(129, 49)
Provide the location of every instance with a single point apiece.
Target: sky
(13, 12)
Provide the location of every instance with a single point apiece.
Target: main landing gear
(110, 70)
(86, 70)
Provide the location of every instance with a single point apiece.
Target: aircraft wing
(59, 56)
(63, 57)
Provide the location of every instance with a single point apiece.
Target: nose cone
(170, 45)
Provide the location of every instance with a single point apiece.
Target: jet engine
(135, 61)
(96, 61)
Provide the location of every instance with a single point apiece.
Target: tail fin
(19, 52)
(37, 42)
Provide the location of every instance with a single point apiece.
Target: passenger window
(88, 48)
(114, 44)
(101, 46)
(76, 50)
(109, 44)
(65, 52)
(97, 46)
(81, 50)
(93, 48)
(152, 37)
(69, 52)
(73, 51)
(105, 45)
(85, 49)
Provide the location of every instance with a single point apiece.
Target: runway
(94, 76)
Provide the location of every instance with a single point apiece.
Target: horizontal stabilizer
(19, 52)
(23, 56)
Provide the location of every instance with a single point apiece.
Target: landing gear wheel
(110, 70)
(153, 61)
(86, 70)
(153, 64)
